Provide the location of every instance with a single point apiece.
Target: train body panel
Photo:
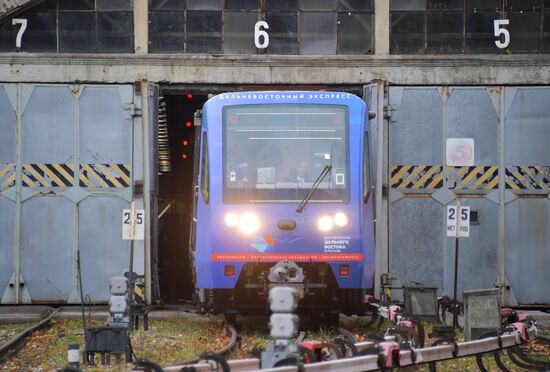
(247, 207)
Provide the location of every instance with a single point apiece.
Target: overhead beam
(264, 69)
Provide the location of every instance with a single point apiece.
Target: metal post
(455, 307)
(81, 290)
(131, 274)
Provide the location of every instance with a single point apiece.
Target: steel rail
(381, 353)
(489, 345)
(18, 341)
(347, 334)
(527, 358)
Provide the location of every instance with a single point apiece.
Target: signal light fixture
(229, 270)
(344, 270)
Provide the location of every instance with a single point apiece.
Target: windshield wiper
(314, 187)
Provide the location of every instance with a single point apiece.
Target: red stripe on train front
(315, 257)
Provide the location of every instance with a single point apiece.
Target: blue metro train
(283, 186)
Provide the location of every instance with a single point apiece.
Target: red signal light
(188, 124)
(184, 156)
(344, 270)
(229, 270)
(190, 96)
(184, 142)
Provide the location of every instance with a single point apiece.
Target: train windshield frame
(273, 153)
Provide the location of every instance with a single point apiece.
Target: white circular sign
(460, 152)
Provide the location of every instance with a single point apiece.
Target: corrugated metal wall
(66, 173)
(527, 183)
(66, 154)
(508, 186)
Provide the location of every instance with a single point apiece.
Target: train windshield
(274, 153)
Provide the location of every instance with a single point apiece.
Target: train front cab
(251, 182)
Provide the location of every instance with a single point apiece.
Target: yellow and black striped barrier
(92, 175)
(472, 178)
(416, 177)
(523, 177)
(421, 177)
(7, 175)
(47, 175)
(100, 175)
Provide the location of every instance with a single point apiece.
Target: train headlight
(231, 219)
(340, 219)
(249, 223)
(325, 223)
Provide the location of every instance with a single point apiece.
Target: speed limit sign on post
(460, 152)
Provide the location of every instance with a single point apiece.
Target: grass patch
(166, 342)
(9, 330)
(252, 338)
(174, 340)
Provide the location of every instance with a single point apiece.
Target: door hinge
(389, 110)
(132, 109)
(197, 118)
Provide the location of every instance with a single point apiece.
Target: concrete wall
(273, 69)
(261, 69)
(9, 7)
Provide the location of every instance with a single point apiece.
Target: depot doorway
(176, 142)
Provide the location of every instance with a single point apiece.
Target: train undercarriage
(319, 291)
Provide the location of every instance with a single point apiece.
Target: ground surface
(173, 340)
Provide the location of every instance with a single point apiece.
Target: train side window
(366, 169)
(205, 172)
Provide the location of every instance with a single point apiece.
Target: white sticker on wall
(460, 152)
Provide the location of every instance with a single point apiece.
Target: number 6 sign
(261, 33)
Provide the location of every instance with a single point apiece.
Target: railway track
(396, 349)
(346, 353)
(18, 341)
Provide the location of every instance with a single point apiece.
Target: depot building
(96, 109)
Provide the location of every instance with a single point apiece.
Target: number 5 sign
(501, 31)
(460, 152)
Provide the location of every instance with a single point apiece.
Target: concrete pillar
(382, 26)
(141, 27)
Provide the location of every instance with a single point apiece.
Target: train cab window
(366, 169)
(274, 153)
(205, 171)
